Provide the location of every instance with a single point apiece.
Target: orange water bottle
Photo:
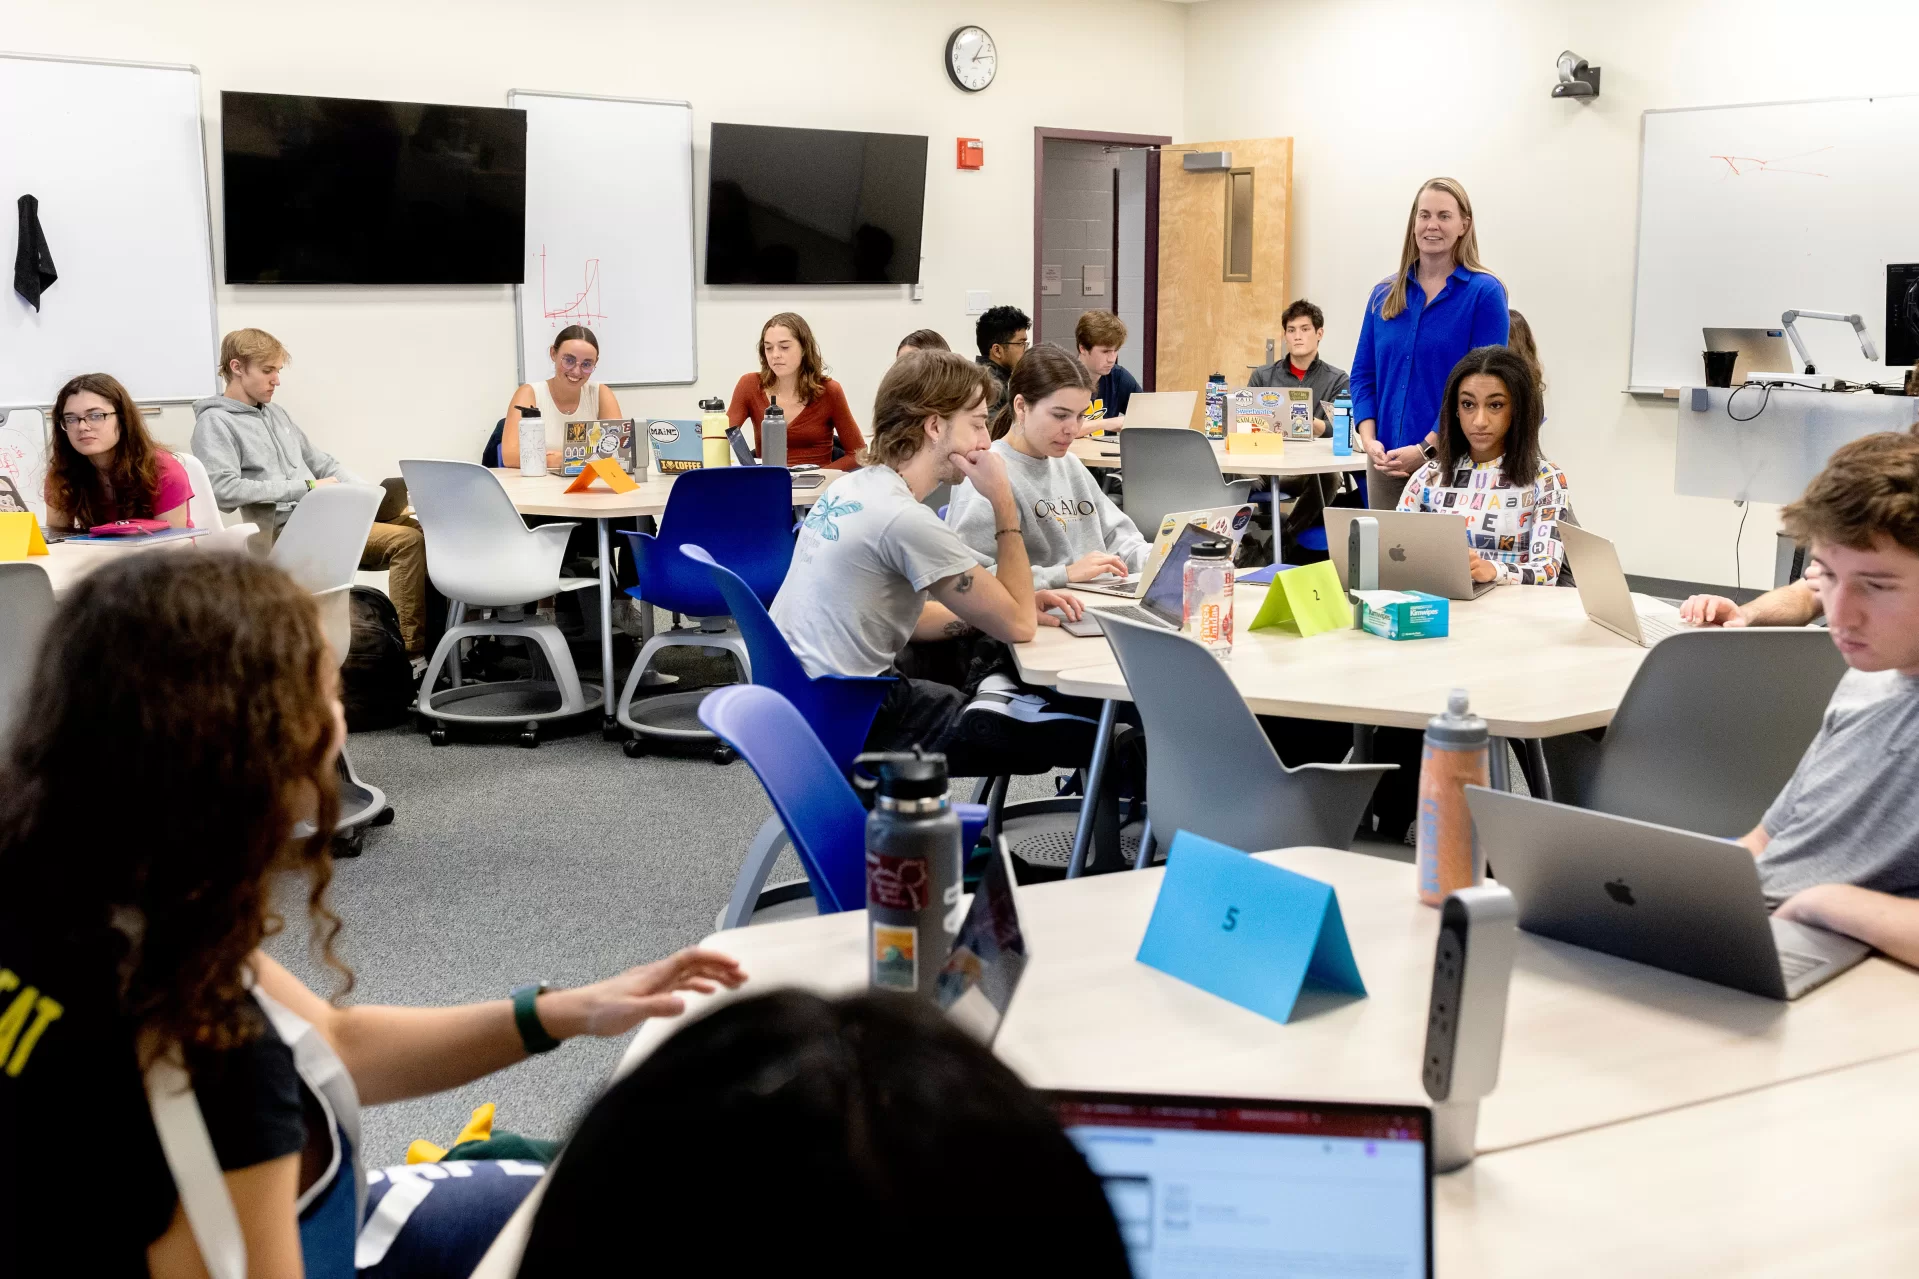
(1454, 757)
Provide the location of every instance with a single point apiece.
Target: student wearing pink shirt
(102, 465)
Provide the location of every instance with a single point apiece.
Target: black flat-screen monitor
(354, 191)
(814, 206)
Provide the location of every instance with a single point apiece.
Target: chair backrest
(1713, 726)
(234, 537)
(822, 815)
(478, 549)
(1210, 768)
(202, 509)
(741, 515)
(321, 543)
(493, 453)
(26, 609)
(839, 709)
(1168, 468)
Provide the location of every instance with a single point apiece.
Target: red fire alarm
(972, 155)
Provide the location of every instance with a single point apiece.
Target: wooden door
(1214, 314)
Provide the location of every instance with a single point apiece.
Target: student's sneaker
(1005, 717)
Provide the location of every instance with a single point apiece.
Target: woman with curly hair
(143, 1033)
(793, 375)
(102, 465)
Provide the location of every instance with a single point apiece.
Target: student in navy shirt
(1099, 336)
(1419, 324)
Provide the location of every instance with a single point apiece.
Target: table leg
(1498, 772)
(607, 723)
(1542, 781)
(1089, 802)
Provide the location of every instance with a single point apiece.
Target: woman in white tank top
(575, 352)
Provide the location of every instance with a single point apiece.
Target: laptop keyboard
(1654, 628)
(1134, 613)
(1794, 964)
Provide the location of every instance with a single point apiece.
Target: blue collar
(1458, 273)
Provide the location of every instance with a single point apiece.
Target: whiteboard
(609, 234)
(113, 151)
(1748, 211)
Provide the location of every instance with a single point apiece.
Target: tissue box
(1401, 615)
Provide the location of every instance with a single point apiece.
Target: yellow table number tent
(20, 536)
(1305, 601)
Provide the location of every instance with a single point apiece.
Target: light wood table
(66, 563)
(1302, 457)
(547, 495)
(1591, 1041)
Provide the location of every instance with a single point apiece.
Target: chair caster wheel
(724, 755)
(530, 738)
(384, 817)
(438, 737)
(633, 748)
(350, 845)
(610, 730)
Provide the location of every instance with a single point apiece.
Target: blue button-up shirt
(1401, 365)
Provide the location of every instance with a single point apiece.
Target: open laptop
(1418, 551)
(1221, 1185)
(1606, 596)
(806, 477)
(1669, 898)
(1160, 408)
(1229, 522)
(1163, 602)
(1760, 351)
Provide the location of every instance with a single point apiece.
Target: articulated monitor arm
(1791, 318)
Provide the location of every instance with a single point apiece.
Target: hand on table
(616, 1005)
(1065, 601)
(1710, 610)
(1095, 564)
(1483, 569)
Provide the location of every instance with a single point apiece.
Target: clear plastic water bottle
(1208, 605)
(532, 442)
(1216, 406)
(914, 902)
(773, 434)
(1454, 756)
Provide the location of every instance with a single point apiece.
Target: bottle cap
(529, 411)
(1458, 726)
(713, 405)
(1217, 549)
(901, 775)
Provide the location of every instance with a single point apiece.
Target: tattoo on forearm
(956, 629)
(965, 582)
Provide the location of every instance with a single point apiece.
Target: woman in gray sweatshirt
(1073, 532)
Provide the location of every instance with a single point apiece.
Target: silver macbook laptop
(1605, 595)
(1230, 522)
(1245, 1186)
(1760, 351)
(1161, 408)
(1418, 551)
(1163, 602)
(1669, 898)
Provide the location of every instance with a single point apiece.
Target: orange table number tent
(603, 468)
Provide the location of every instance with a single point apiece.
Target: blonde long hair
(1465, 251)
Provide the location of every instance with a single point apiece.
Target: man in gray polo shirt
(1840, 846)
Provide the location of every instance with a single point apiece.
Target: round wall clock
(971, 58)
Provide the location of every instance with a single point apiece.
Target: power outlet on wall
(978, 301)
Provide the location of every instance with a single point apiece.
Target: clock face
(971, 58)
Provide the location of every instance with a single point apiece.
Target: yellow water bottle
(715, 449)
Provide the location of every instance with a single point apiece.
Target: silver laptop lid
(1418, 551)
(1603, 590)
(1160, 408)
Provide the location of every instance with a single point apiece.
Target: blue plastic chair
(816, 804)
(743, 516)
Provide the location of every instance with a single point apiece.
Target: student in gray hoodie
(1073, 532)
(262, 464)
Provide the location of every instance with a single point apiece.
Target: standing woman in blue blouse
(1418, 325)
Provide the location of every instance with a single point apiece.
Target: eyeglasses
(69, 421)
(571, 362)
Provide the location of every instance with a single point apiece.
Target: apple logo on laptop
(1397, 554)
(1620, 891)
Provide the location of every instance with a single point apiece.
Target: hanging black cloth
(33, 272)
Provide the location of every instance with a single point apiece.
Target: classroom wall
(1380, 94)
(1077, 232)
(382, 373)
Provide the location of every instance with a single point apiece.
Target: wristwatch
(526, 1016)
(1430, 449)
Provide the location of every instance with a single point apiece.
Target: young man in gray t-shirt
(1841, 843)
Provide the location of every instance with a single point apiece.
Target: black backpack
(376, 679)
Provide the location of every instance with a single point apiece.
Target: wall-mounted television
(356, 191)
(814, 206)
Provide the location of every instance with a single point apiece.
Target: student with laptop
(875, 569)
(1002, 338)
(1305, 326)
(1099, 336)
(1418, 323)
(793, 372)
(102, 466)
(257, 458)
(1488, 468)
(570, 395)
(1071, 530)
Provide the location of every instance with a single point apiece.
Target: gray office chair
(26, 609)
(1709, 732)
(1210, 769)
(1171, 468)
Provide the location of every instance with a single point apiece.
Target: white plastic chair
(26, 609)
(1171, 468)
(480, 553)
(319, 548)
(202, 509)
(234, 537)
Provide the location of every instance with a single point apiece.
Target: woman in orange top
(792, 372)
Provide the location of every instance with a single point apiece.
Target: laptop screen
(1277, 1187)
(1166, 594)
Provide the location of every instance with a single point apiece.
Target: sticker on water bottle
(897, 883)
(896, 957)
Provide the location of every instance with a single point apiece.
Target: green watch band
(527, 1017)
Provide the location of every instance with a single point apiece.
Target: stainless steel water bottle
(913, 894)
(773, 435)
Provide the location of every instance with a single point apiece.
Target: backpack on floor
(376, 679)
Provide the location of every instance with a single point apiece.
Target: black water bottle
(913, 894)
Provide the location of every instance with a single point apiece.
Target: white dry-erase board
(609, 234)
(1749, 211)
(114, 153)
